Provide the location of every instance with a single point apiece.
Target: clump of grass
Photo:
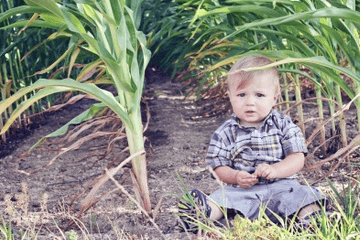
(258, 229)
(6, 230)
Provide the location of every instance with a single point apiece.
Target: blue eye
(260, 95)
(241, 94)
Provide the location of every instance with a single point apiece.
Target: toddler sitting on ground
(256, 153)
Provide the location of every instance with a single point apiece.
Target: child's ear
(277, 96)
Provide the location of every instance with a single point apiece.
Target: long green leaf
(331, 12)
(84, 116)
(49, 5)
(26, 104)
(318, 62)
(37, 23)
(20, 10)
(102, 95)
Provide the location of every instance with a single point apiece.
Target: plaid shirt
(244, 148)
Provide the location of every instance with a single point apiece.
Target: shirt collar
(236, 121)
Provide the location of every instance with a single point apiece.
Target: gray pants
(283, 197)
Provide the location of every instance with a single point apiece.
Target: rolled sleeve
(293, 140)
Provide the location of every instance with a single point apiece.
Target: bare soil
(43, 202)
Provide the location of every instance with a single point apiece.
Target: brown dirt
(178, 145)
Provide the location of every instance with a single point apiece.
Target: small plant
(6, 230)
(262, 228)
(71, 235)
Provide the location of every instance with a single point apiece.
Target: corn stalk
(107, 29)
(321, 118)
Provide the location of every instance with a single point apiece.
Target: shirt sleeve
(218, 152)
(293, 139)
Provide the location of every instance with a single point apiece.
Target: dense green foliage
(313, 40)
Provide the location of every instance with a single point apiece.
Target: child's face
(253, 102)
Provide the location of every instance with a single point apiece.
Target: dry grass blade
(136, 188)
(308, 100)
(117, 157)
(353, 145)
(342, 109)
(72, 100)
(71, 136)
(74, 146)
(97, 124)
(157, 208)
(310, 156)
(147, 117)
(112, 142)
(103, 179)
(92, 203)
(110, 175)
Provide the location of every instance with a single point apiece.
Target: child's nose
(250, 100)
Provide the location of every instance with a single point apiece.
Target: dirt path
(178, 146)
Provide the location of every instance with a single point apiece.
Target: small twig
(75, 181)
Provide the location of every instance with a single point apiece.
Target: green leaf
(26, 104)
(37, 23)
(330, 12)
(102, 95)
(20, 10)
(321, 64)
(49, 5)
(73, 23)
(52, 19)
(120, 73)
(84, 116)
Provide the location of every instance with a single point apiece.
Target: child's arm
(232, 176)
(292, 164)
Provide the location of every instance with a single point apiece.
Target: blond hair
(244, 77)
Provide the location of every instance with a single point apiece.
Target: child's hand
(245, 179)
(266, 171)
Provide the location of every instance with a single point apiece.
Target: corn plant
(107, 29)
(321, 36)
(23, 53)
